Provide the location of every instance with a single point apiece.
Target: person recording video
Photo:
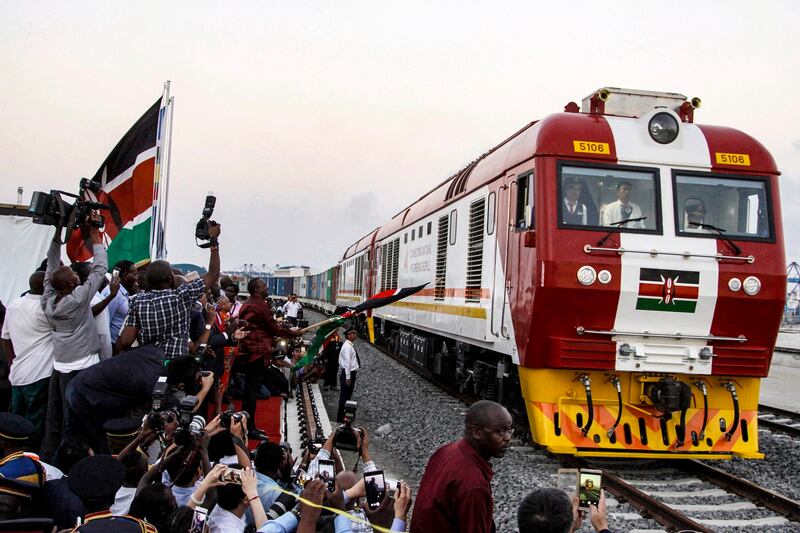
(67, 307)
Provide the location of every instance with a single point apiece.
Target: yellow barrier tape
(349, 516)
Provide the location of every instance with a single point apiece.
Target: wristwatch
(208, 326)
(297, 512)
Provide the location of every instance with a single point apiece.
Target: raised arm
(212, 276)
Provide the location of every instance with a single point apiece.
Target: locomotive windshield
(739, 207)
(610, 198)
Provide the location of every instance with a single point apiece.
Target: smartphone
(327, 473)
(199, 520)
(114, 275)
(375, 485)
(589, 486)
(232, 475)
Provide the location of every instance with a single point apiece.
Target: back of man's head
(36, 282)
(252, 285)
(82, 269)
(183, 467)
(159, 275)
(481, 413)
(182, 369)
(269, 458)
(545, 511)
(63, 280)
(230, 495)
(135, 464)
(124, 266)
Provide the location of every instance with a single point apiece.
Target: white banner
(24, 247)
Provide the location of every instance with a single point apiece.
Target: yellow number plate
(742, 160)
(591, 147)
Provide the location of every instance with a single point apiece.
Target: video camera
(50, 209)
(201, 231)
(345, 437)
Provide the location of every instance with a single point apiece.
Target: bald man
(67, 306)
(456, 490)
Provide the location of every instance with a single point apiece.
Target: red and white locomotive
(616, 269)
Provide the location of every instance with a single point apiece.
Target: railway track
(781, 420)
(681, 495)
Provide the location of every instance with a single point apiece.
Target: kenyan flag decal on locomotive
(674, 291)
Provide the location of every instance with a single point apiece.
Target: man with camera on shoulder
(67, 307)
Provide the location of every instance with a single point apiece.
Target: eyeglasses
(503, 432)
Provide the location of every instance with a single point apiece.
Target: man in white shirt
(28, 345)
(622, 209)
(349, 364)
(291, 309)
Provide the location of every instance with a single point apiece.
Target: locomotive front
(657, 285)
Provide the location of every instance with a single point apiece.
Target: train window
(430, 227)
(490, 213)
(609, 198)
(453, 220)
(420, 232)
(413, 233)
(405, 238)
(738, 207)
(524, 219)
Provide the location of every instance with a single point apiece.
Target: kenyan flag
(129, 180)
(673, 291)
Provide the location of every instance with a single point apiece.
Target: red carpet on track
(268, 417)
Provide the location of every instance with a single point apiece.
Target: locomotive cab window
(609, 199)
(525, 210)
(707, 205)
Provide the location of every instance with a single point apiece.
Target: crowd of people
(114, 373)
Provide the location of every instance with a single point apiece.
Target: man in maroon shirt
(256, 348)
(456, 490)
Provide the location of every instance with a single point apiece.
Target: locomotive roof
(553, 136)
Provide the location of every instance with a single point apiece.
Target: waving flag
(132, 180)
(321, 339)
(386, 297)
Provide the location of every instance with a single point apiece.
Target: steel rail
(779, 426)
(746, 489)
(787, 350)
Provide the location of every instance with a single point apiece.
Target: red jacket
(263, 329)
(455, 494)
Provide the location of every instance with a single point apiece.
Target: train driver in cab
(694, 215)
(573, 212)
(622, 209)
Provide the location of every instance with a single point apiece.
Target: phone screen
(232, 475)
(375, 485)
(328, 474)
(115, 274)
(589, 487)
(199, 520)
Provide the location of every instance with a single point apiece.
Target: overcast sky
(314, 122)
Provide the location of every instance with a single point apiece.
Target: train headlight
(751, 285)
(735, 284)
(663, 128)
(586, 275)
(604, 277)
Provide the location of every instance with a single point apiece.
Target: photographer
(124, 384)
(161, 315)
(67, 307)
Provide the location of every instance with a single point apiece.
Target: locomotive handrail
(686, 255)
(580, 330)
